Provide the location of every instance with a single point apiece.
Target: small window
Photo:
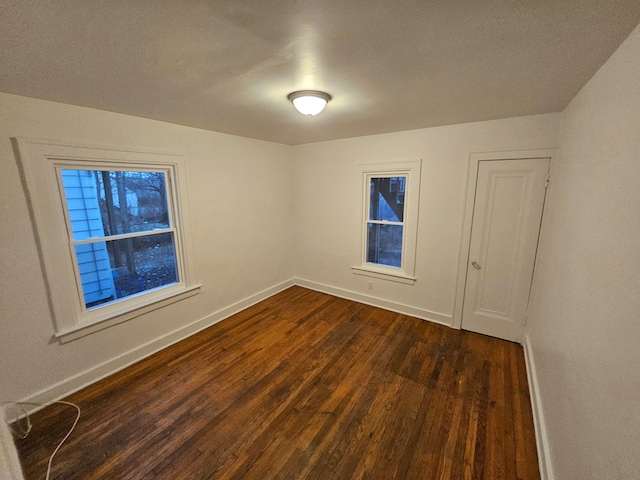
(113, 231)
(390, 203)
(385, 224)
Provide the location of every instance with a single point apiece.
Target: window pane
(384, 244)
(120, 268)
(386, 199)
(104, 203)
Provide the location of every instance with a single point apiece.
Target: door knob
(475, 265)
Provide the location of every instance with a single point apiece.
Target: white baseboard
(542, 441)
(83, 379)
(435, 317)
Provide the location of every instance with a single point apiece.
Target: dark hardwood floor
(302, 386)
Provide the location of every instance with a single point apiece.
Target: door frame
(473, 162)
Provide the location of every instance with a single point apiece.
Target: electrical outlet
(370, 285)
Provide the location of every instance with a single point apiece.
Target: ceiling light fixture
(309, 102)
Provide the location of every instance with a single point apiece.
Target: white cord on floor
(28, 429)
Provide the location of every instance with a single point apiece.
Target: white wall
(584, 326)
(327, 193)
(241, 216)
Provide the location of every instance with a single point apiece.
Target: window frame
(42, 162)
(411, 170)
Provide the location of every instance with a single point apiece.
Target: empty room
(320, 240)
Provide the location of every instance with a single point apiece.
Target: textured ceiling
(228, 66)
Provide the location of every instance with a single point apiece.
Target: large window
(389, 211)
(113, 232)
(121, 232)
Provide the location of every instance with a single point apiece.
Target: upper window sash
(63, 173)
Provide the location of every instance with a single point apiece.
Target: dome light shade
(309, 102)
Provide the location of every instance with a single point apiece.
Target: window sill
(81, 330)
(394, 277)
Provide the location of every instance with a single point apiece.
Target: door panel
(504, 237)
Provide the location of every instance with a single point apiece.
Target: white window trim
(410, 169)
(41, 161)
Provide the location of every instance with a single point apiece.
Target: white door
(504, 239)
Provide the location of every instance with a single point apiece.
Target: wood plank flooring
(302, 386)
